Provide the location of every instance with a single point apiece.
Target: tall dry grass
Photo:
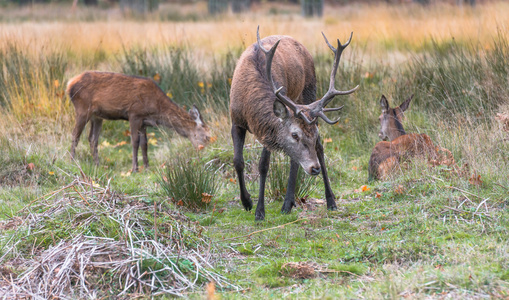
(377, 29)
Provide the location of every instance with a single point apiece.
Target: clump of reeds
(189, 183)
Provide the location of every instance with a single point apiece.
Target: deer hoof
(332, 208)
(259, 217)
(248, 204)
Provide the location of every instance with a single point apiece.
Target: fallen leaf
(328, 140)
(475, 179)
(369, 75)
(213, 139)
(127, 133)
(365, 188)
(233, 180)
(30, 166)
(181, 203)
(152, 141)
(157, 78)
(121, 143)
(125, 174)
(378, 195)
(399, 190)
(51, 173)
(355, 168)
(206, 198)
(170, 95)
(60, 94)
(56, 83)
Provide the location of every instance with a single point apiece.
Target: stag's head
(199, 135)
(299, 135)
(391, 119)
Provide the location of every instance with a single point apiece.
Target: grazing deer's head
(200, 134)
(390, 119)
(299, 133)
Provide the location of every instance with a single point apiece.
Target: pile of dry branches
(173, 259)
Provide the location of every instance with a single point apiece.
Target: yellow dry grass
(377, 29)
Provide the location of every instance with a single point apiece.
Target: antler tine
(319, 108)
(324, 117)
(269, 55)
(333, 109)
(332, 92)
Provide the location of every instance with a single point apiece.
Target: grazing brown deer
(387, 155)
(112, 96)
(278, 106)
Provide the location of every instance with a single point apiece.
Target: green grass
(428, 232)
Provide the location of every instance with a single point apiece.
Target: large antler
(317, 108)
(269, 55)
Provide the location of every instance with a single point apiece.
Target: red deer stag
(387, 155)
(278, 106)
(112, 96)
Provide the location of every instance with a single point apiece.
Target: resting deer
(112, 96)
(273, 97)
(387, 155)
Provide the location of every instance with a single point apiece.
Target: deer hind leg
(289, 202)
(239, 136)
(81, 121)
(263, 168)
(144, 146)
(136, 126)
(329, 195)
(93, 137)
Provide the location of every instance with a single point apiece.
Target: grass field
(76, 230)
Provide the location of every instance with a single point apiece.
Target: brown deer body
(113, 96)
(284, 118)
(387, 155)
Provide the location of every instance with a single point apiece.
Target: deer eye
(295, 136)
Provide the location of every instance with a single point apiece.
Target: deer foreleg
(263, 168)
(290, 189)
(239, 136)
(329, 195)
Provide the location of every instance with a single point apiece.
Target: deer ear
(404, 105)
(280, 110)
(194, 113)
(384, 103)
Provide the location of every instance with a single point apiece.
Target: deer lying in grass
(112, 96)
(387, 155)
(278, 106)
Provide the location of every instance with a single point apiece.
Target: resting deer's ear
(404, 105)
(280, 110)
(194, 113)
(384, 104)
